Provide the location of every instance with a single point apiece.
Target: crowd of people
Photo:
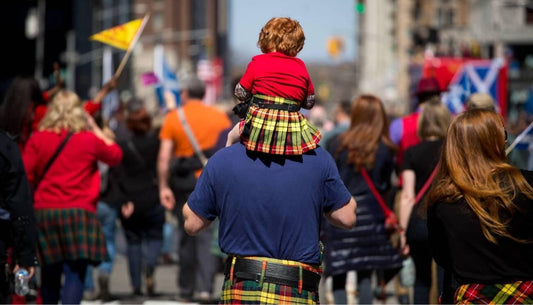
(290, 205)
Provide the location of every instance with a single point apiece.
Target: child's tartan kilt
(69, 234)
(278, 132)
(520, 292)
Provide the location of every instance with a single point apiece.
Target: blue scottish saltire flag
(167, 79)
(486, 76)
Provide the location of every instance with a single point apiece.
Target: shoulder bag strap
(135, 152)
(426, 185)
(54, 156)
(372, 187)
(190, 135)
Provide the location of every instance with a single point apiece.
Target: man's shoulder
(200, 106)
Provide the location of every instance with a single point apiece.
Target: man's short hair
(345, 106)
(194, 86)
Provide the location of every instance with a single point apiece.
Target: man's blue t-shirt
(267, 205)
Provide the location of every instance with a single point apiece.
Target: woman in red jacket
(65, 195)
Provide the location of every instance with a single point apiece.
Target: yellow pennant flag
(120, 36)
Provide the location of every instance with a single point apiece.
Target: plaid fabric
(249, 292)
(277, 132)
(520, 292)
(69, 234)
(236, 291)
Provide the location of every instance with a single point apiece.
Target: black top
(17, 229)
(422, 159)
(459, 245)
(380, 174)
(137, 178)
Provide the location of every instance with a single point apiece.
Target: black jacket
(17, 226)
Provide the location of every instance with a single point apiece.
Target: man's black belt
(249, 269)
(287, 107)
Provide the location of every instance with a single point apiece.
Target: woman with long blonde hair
(480, 213)
(61, 163)
(365, 248)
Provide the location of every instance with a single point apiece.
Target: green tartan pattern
(250, 292)
(278, 132)
(69, 234)
(520, 292)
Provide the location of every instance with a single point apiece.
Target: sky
(319, 19)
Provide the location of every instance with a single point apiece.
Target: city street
(166, 283)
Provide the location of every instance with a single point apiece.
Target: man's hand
(167, 198)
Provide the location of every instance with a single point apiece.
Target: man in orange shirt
(197, 266)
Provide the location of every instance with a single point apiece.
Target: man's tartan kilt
(69, 234)
(239, 291)
(249, 292)
(520, 292)
(278, 132)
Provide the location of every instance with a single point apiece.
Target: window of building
(158, 21)
(529, 15)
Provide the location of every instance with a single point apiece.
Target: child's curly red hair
(281, 34)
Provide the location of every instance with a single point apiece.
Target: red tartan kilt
(520, 292)
(69, 234)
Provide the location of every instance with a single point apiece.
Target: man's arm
(193, 223)
(163, 159)
(343, 217)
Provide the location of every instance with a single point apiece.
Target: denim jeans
(143, 228)
(107, 215)
(72, 290)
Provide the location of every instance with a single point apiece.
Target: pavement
(166, 289)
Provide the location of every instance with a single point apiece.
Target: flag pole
(519, 138)
(132, 45)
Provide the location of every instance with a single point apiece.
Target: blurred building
(396, 36)
(377, 62)
(193, 34)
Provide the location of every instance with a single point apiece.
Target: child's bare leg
(233, 136)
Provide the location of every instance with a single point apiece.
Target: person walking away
(404, 131)
(142, 214)
(107, 211)
(419, 164)
(197, 266)
(66, 191)
(480, 214)
(366, 247)
(342, 122)
(17, 222)
(269, 220)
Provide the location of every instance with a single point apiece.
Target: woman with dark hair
(25, 105)
(480, 214)
(22, 109)
(366, 247)
(142, 214)
(418, 166)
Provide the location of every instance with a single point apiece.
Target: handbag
(182, 177)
